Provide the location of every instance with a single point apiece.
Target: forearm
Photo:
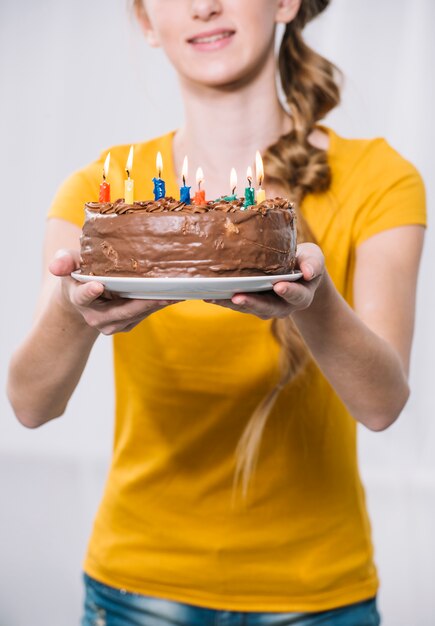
(363, 368)
(46, 368)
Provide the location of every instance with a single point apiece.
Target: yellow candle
(233, 181)
(129, 183)
(261, 194)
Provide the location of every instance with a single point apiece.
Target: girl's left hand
(286, 297)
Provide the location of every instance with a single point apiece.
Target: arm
(45, 369)
(364, 353)
(40, 383)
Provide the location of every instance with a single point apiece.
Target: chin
(217, 75)
(236, 68)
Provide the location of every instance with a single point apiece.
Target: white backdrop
(75, 77)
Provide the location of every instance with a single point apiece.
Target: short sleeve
(81, 187)
(394, 196)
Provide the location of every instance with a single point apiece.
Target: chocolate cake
(167, 238)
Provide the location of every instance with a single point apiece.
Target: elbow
(33, 420)
(27, 421)
(379, 421)
(30, 416)
(32, 407)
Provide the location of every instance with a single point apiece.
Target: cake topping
(169, 204)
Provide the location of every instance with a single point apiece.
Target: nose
(206, 9)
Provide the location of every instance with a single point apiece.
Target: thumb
(310, 260)
(64, 262)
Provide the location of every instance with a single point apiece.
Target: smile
(211, 38)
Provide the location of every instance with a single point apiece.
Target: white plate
(185, 288)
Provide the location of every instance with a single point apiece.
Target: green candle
(233, 183)
(249, 192)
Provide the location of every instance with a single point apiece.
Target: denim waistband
(108, 606)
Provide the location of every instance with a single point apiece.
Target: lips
(211, 37)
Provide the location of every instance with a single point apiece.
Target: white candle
(259, 170)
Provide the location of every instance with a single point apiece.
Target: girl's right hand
(105, 313)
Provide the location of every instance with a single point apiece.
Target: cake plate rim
(186, 288)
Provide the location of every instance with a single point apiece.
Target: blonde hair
(310, 85)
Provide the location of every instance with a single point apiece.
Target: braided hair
(311, 89)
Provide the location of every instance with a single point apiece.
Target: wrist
(322, 302)
(323, 325)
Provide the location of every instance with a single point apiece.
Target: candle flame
(249, 176)
(106, 167)
(185, 170)
(259, 168)
(159, 164)
(233, 180)
(199, 177)
(129, 164)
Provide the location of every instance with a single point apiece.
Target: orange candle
(105, 186)
(200, 193)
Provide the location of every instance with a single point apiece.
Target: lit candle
(105, 186)
(159, 184)
(249, 192)
(184, 190)
(261, 194)
(200, 193)
(233, 183)
(129, 183)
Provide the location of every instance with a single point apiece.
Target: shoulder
(374, 186)
(373, 162)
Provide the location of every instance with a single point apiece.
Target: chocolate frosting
(167, 238)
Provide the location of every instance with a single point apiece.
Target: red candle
(200, 193)
(105, 186)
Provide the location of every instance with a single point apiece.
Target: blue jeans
(107, 606)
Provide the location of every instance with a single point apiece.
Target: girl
(169, 545)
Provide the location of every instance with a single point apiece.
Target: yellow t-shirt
(187, 380)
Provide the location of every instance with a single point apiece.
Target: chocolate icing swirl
(169, 204)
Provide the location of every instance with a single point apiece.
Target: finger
(64, 262)
(227, 304)
(120, 312)
(111, 317)
(297, 295)
(310, 260)
(264, 305)
(85, 295)
(129, 307)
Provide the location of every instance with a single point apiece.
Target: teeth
(210, 39)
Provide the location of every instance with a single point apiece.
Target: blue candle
(159, 184)
(185, 194)
(184, 190)
(159, 188)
